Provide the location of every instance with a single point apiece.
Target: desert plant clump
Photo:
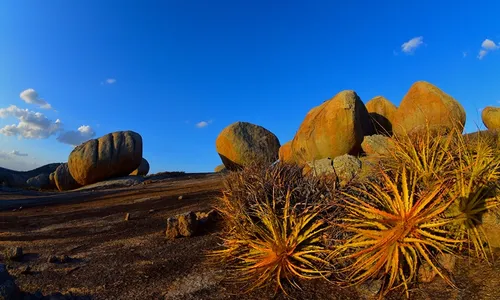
(395, 226)
(275, 226)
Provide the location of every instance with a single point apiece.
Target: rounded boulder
(424, 107)
(491, 117)
(63, 179)
(334, 128)
(115, 154)
(382, 113)
(143, 168)
(285, 152)
(242, 144)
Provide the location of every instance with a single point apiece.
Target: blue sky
(162, 67)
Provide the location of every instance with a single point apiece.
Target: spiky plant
(274, 227)
(395, 227)
(476, 173)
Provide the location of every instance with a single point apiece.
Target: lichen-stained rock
(242, 144)
(285, 152)
(426, 106)
(63, 179)
(382, 113)
(115, 154)
(491, 117)
(143, 168)
(377, 144)
(334, 128)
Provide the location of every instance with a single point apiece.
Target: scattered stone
(444, 261)
(347, 167)
(143, 168)
(334, 128)
(376, 144)
(182, 225)
(127, 216)
(14, 253)
(426, 106)
(8, 288)
(322, 166)
(369, 289)
(151, 211)
(180, 197)
(491, 117)
(115, 154)
(61, 259)
(242, 144)
(382, 113)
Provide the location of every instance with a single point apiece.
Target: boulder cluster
(343, 133)
(113, 155)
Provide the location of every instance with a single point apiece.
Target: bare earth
(116, 259)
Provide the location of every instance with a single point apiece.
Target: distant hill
(18, 178)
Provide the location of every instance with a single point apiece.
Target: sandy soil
(116, 259)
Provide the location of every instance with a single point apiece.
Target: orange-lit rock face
(241, 144)
(334, 128)
(382, 113)
(285, 153)
(491, 117)
(426, 105)
(112, 155)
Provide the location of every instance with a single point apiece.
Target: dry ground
(116, 259)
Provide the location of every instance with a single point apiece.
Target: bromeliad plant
(394, 227)
(274, 228)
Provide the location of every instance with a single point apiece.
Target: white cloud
(75, 138)
(31, 96)
(487, 46)
(203, 124)
(17, 163)
(410, 46)
(109, 81)
(464, 54)
(32, 125)
(18, 153)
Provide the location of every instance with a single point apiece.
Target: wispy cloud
(464, 54)
(76, 137)
(109, 81)
(203, 124)
(487, 46)
(31, 96)
(18, 153)
(410, 46)
(31, 125)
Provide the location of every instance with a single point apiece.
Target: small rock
(182, 225)
(180, 198)
(370, 289)
(8, 288)
(446, 262)
(127, 216)
(347, 167)
(151, 211)
(14, 253)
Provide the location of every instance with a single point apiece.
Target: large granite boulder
(143, 168)
(426, 106)
(242, 144)
(491, 117)
(63, 179)
(382, 113)
(41, 181)
(334, 128)
(115, 154)
(285, 152)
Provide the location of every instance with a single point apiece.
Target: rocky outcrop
(491, 117)
(427, 107)
(334, 128)
(242, 144)
(63, 179)
(13, 178)
(382, 113)
(115, 154)
(143, 168)
(376, 144)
